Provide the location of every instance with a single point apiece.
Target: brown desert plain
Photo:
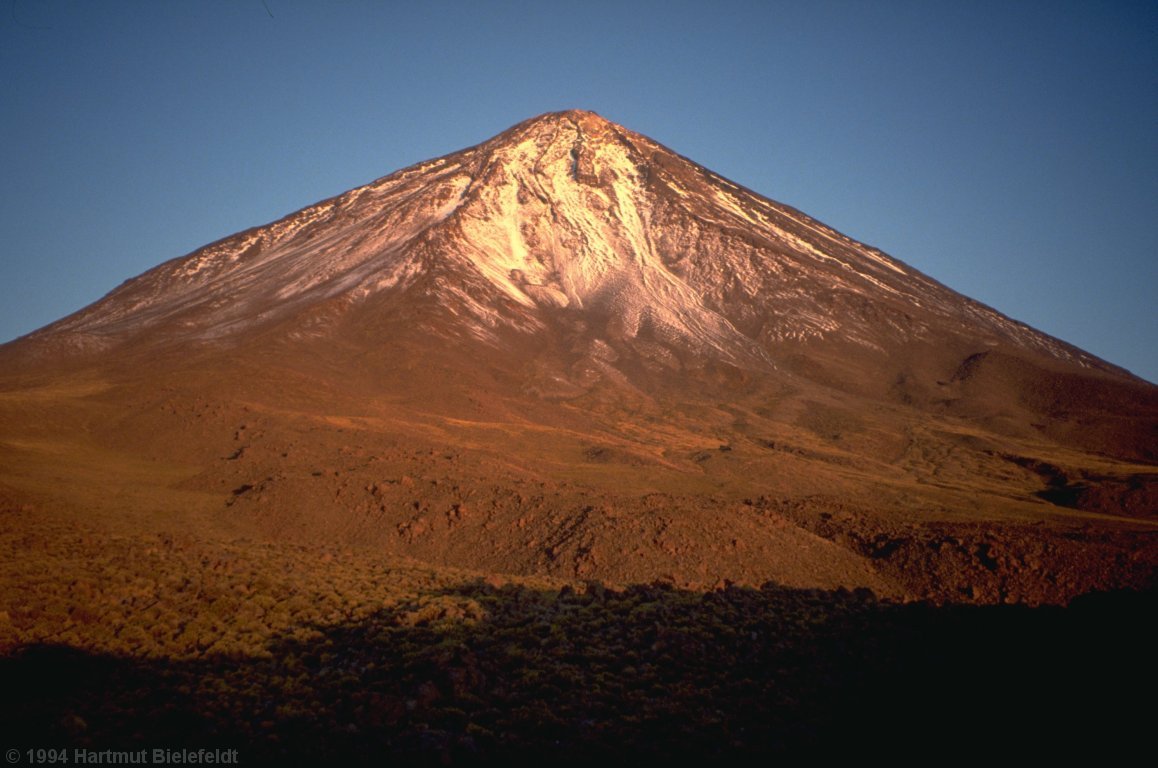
(564, 448)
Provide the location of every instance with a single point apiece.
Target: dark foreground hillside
(483, 671)
(120, 632)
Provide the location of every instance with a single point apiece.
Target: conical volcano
(571, 350)
(566, 211)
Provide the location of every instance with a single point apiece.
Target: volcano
(569, 351)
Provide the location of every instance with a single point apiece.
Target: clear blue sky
(1008, 149)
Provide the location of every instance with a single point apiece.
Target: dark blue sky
(1007, 149)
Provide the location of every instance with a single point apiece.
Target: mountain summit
(566, 214)
(572, 305)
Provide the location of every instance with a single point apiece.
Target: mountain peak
(574, 142)
(565, 217)
(583, 118)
